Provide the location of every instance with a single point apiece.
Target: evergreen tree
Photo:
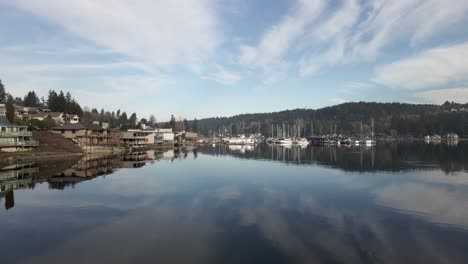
(52, 101)
(152, 121)
(195, 126)
(2, 93)
(186, 125)
(61, 102)
(31, 99)
(123, 121)
(10, 111)
(132, 120)
(172, 123)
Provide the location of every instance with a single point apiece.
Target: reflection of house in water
(241, 148)
(135, 159)
(87, 168)
(91, 166)
(20, 176)
(14, 177)
(166, 155)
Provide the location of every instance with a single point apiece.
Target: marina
(203, 198)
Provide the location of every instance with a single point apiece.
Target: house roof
(55, 114)
(77, 126)
(5, 122)
(43, 115)
(94, 127)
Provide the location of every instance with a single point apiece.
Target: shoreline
(9, 158)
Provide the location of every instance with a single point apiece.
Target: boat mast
(362, 132)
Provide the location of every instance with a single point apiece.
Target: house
(73, 118)
(138, 138)
(41, 116)
(163, 135)
(190, 137)
(24, 112)
(163, 130)
(58, 117)
(89, 135)
(102, 124)
(12, 137)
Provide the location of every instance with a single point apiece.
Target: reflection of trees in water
(387, 157)
(9, 199)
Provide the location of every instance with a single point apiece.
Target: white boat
(239, 140)
(249, 141)
(301, 142)
(285, 141)
(370, 142)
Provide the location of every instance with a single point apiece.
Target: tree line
(390, 120)
(64, 102)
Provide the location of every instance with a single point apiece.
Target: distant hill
(391, 119)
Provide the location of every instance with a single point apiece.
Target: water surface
(396, 203)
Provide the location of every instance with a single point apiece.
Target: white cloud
(334, 31)
(390, 22)
(316, 34)
(459, 95)
(277, 41)
(223, 76)
(435, 204)
(164, 33)
(429, 69)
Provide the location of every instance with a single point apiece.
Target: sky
(204, 58)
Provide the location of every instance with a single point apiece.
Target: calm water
(402, 203)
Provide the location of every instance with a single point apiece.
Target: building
(24, 112)
(12, 137)
(190, 137)
(163, 135)
(102, 124)
(89, 135)
(41, 116)
(135, 138)
(58, 117)
(73, 119)
(163, 130)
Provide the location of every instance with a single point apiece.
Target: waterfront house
(137, 138)
(89, 135)
(163, 135)
(12, 137)
(190, 137)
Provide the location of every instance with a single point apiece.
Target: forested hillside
(391, 119)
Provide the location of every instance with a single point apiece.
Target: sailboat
(371, 141)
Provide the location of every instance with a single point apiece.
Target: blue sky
(201, 58)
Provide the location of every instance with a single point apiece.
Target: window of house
(73, 132)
